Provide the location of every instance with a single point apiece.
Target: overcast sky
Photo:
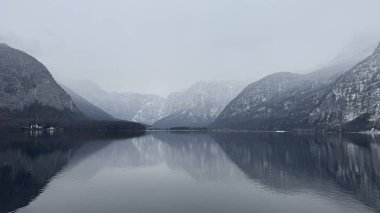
(159, 46)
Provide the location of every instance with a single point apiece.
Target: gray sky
(159, 46)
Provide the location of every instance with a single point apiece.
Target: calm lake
(189, 172)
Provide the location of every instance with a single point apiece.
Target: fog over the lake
(157, 47)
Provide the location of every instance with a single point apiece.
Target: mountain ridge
(354, 98)
(29, 94)
(86, 107)
(150, 109)
(198, 105)
(143, 108)
(306, 103)
(25, 78)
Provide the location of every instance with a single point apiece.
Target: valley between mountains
(343, 95)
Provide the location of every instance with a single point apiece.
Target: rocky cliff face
(278, 101)
(199, 105)
(324, 99)
(354, 100)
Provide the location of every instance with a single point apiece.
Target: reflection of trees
(283, 162)
(294, 162)
(28, 163)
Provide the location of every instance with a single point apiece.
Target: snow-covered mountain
(354, 99)
(199, 105)
(28, 92)
(144, 108)
(277, 101)
(24, 81)
(323, 99)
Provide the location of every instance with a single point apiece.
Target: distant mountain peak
(198, 105)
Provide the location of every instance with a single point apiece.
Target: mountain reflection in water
(190, 172)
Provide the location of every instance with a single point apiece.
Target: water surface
(189, 172)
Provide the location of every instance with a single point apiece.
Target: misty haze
(264, 106)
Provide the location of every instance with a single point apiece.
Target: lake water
(189, 172)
